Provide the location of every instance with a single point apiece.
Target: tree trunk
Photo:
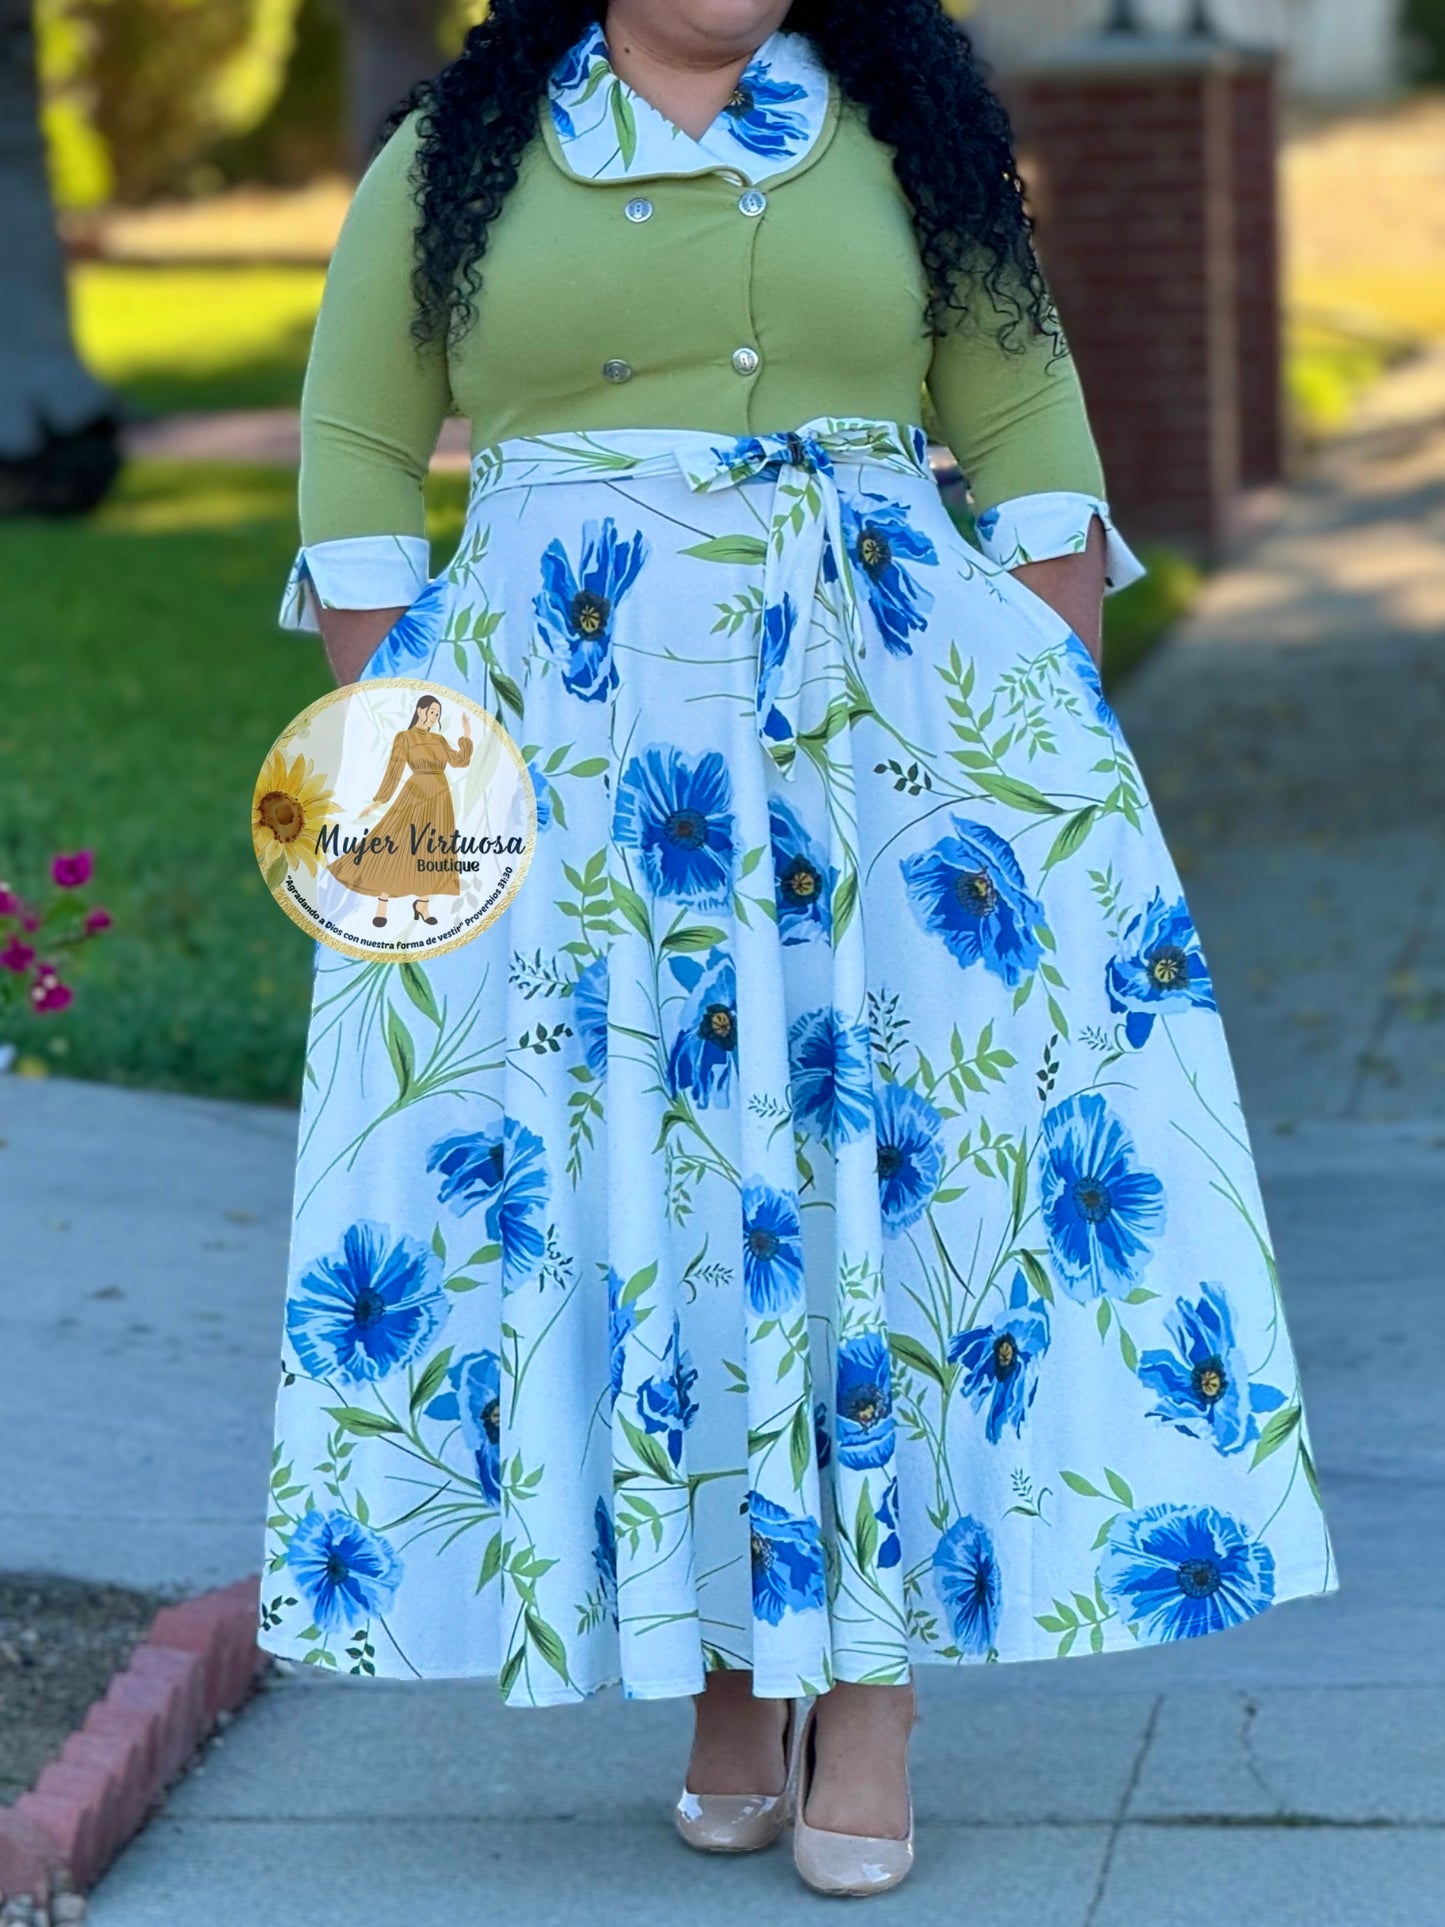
(59, 428)
(390, 45)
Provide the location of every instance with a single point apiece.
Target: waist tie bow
(809, 624)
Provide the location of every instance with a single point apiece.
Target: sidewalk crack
(1126, 1800)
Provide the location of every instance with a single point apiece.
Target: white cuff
(356, 572)
(1033, 528)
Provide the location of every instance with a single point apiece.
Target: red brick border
(198, 1660)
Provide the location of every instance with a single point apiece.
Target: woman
(812, 1233)
(390, 863)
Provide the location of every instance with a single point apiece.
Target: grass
(197, 338)
(143, 681)
(1330, 362)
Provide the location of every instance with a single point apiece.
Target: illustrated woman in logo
(421, 816)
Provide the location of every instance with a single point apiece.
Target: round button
(617, 370)
(638, 210)
(752, 202)
(747, 361)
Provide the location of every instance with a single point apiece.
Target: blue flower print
(1159, 967)
(604, 1556)
(621, 1323)
(787, 1559)
(822, 1439)
(414, 634)
(879, 541)
(1000, 1361)
(1203, 1385)
(703, 1059)
(367, 1308)
(865, 1402)
(504, 1168)
(772, 1247)
(985, 522)
(830, 1075)
(679, 817)
(910, 1154)
(803, 879)
(475, 1399)
(757, 114)
(570, 75)
(1088, 674)
(346, 1572)
(576, 608)
(966, 1579)
(779, 620)
(589, 1014)
(969, 889)
(1101, 1212)
(664, 1401)
(542, 794)
(1178, 1573)
(890, 1548)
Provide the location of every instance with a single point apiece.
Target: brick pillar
(1254, 96)
(1130, 144)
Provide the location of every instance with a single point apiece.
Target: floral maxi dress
(813, 1229)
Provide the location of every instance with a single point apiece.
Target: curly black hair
(910, 67)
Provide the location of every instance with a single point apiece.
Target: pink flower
(29, 919)
(97, 919)
(17, 956)
(50, 995)
(10, 905)
(71, 871)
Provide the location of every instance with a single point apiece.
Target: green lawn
(182, 338)
(143, 682)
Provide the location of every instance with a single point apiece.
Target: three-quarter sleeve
(372, 407)
(1015, 419)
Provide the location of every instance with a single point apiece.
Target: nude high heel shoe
(842, 1863)
(741, 1822)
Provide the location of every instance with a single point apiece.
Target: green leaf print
(697, 936)
(845, 902)
(626, 900)
(366, 1425)
(401, 1050)
(909, 1352)
(800, 1445)
(748, 551)
(865, 1529)
(1016, 794)
(1073, 835)
(1275, 1433)
(622, 120)
(430, 1382)
(417, 985)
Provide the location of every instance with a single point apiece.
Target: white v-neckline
(608, 131)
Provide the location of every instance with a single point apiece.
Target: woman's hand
(351, 637)
(1074, 586)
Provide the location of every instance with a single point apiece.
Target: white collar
(608, 132)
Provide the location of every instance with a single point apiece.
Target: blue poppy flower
(1179, 1573)
(604, 1555)
(542, 794)
(414, 634)
(1088, 673)
(621, 1323)
(703, 1057)
(367, 1308)
(570, 75)
(985, 522)
(772, 1247)
(1203, 1386)
(1159, 966)
(679, 817)
(664, 1401)
(1101, 1212)
(966, 1579)
(830, 1071)
(1000, 1361)
(779, 621)
(346, 1572)
(475, 1399)
(822, 1441)
(576, 609)
(787, 1560)
(908, 1131)
(504, 1168)
(890, 1549)
(968, 889)
(803, 879)
(880, 540)
(589, 1012)
(865, 1402)
(757, 113)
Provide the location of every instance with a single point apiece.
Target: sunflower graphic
(292, 804)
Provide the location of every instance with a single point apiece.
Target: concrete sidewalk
(1292, 1770)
